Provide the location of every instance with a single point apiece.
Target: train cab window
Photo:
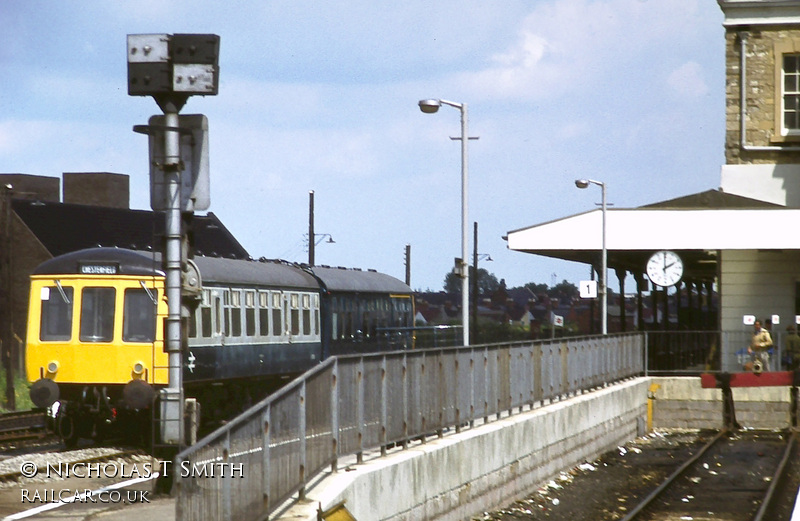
(56, 313)
(250, 313)
(139, 315)
(97, 314)
(277, 314)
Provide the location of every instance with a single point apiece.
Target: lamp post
(430, 106)
(584, 183)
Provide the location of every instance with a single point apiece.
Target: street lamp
(430, 106)
(584, 183)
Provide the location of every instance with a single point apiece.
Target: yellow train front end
(95, 351)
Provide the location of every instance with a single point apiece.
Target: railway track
(22, 425)
(735, 476)
(35, 464)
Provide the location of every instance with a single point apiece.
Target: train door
(288, 317)
(216, 313)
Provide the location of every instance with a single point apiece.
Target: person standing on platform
(759, 347)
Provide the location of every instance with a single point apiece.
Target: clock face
(665, 268)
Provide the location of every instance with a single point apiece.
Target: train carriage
(96, 331)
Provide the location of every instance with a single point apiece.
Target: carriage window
(97, 314)
(236, 313)
(295, 310)
(316, 321)
(277, 314)
(139, 319)
(218, 315)
(306, 314)
(193, 316)
(263, 313)
(205, 321)
(250, 313)
(56, 313)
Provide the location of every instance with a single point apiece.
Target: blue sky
(323, 97)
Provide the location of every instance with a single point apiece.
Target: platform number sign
(588, 289)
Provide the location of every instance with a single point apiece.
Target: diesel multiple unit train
(95, 343)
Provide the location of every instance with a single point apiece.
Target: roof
(712, 199)
(126, 262)
(265, 273)
(664, 228)
(342, 279)
(696, 226)
(64, 228)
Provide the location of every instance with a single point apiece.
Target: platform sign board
(748, 320)
(588, 288)
(776, 319)
(195, 178)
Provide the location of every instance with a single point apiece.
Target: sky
(323, 96)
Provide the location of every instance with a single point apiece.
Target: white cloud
(564, 46)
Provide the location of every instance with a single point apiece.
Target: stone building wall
(763, 98)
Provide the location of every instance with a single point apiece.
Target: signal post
(170, 68)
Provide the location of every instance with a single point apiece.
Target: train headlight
(52, 367)
(138, 368)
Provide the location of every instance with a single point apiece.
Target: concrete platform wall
(485, 467)
(681, 403)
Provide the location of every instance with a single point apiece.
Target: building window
(791, 94)
(786, 95)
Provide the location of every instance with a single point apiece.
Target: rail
(349, 405)
(755, 461)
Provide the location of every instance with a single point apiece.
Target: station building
(741, 240)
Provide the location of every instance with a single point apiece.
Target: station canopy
(695, 226)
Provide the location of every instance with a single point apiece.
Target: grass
(21, 387)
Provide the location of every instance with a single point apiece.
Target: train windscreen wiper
(149, 293)
(62, 292)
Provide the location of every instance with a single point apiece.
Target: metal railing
(694, 352)
(348, 405)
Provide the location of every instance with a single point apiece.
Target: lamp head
(429, 106)
(581, 183)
